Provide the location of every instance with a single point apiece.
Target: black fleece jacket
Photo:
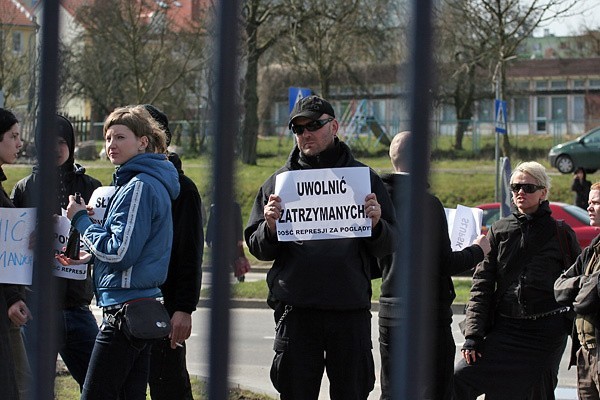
(447, 262)
(526, 258)
(181, 290)
(73, 293)
(321, 274)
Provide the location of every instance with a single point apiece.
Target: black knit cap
(64, 129)
(311, 107)
(161, 118)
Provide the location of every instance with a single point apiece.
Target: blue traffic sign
(295, 94)
(500, 112)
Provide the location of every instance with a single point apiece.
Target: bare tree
(499, 26)
(136, 52)
(334, 36)
(261, 20)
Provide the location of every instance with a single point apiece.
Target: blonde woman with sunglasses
(515, 331)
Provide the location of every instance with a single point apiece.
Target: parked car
(582, 152)
(577, 218)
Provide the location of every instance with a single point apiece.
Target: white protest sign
(16, 258)
(464, 225)
(99, 202)
(323, 204)
(62, 226)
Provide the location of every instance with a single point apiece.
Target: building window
(485, 113)
(283, 112)
(559, 108)
(541, 85)
(521, 109)
(448, 113)
(17, 89)
(594, 83)
(558, 85)
(540, 113)
(17, 42)
(579, 84)
(578, 108)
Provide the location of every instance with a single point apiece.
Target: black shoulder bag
(145, 318)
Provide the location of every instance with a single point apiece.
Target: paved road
(252, 340)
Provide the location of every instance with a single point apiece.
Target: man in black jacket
(320, 289)
(578, 289)
(169, 378)
(78, 327)
(448, 263)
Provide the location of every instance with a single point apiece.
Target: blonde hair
(141, 123)
(537, 171)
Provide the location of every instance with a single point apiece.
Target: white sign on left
(16, 258)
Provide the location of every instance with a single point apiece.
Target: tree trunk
(250, 125)
(459, 133)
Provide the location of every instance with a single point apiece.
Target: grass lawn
(457, 177)
(259, 290)
(67, 389)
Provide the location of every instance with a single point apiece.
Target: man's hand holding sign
(317, 204)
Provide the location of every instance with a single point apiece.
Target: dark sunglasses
(311, 126)
(527, 187)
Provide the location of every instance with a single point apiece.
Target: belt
(112, 307)
(111, 314)
(537, 316)
(588, 346)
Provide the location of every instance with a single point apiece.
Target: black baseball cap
(311, 107)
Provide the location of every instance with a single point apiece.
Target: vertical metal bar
(411, 351)
(42, 338)
(226, 127)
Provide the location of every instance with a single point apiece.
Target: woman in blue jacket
(131, 249)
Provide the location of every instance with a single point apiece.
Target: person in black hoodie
(169, 378)
(78, 327)
(448, 263)
(320, 289)
(581, 187)
(10, 143)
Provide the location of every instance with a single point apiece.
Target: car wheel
(565, 164)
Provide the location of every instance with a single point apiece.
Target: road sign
(295, 94)
(500, 108)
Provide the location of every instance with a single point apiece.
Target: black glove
(473, 344)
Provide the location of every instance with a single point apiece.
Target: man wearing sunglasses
(320, 289)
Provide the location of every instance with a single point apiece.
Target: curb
(262, 304)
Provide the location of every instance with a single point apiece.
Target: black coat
(580, 291)
(73, 293)
(321, 274)
(447, 262)
(181, 290)
(527, 256)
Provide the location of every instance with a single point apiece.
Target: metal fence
(415, 338)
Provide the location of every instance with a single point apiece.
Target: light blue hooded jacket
(133, 246)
